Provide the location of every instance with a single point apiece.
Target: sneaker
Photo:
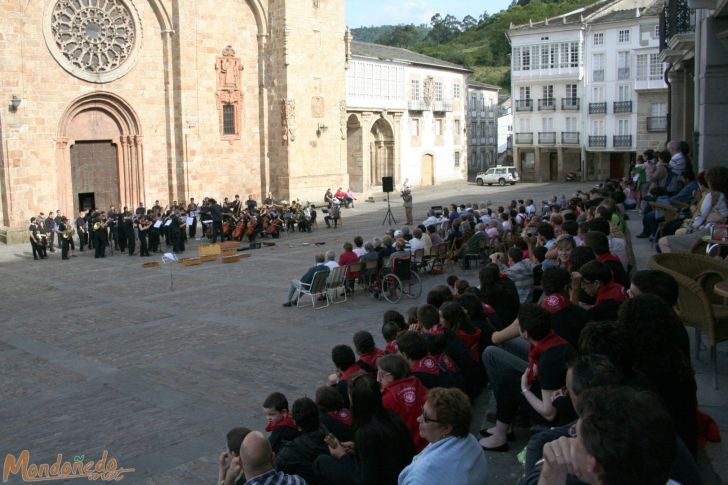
(287, 304)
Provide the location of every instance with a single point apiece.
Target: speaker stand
(389, 217)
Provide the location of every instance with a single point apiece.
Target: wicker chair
(698, 306)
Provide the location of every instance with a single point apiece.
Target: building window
(456, 91)
(415, 127)
(597, 127)
(516, 59)
(624, 36)
(456, 128)
(526, 59)
(571, 124)
(624, 92)
(574, 54)
(623, 127)
(656, 69)
(438, 91)
(414, 90)
(228, 120)
(525, 92)
(457, 159)
(657, 31)
(598, 38)
(547, 123)
(548, 91)
(571, 91)
(658, 109)
(438, 126)
(641, 62)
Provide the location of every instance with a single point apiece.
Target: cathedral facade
(128, 101)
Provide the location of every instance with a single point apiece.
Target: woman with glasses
(453, 455)
(382, 445)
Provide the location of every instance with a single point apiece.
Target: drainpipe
(669, 102)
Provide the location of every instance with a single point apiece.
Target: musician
(157, 209)
(329, 198)
(192, 212)
(100, 235)
(215, 212)
(153, 232)
(35, 242)
(143, 225)
(50, 229)
(236, 205)
(251, 204)
(140, 211)
(334, 214)
(88, 220)
(407, 198)
(81, 229)
(65, 234)
(268, 199)
(113, 226)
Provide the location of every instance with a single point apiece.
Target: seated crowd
(572, 342)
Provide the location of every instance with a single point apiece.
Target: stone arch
(127, 138)
(355, 153)
(260, 17)
(381, 150)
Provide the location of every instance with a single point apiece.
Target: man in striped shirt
(257, 459)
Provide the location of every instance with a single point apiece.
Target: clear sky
(392, 12)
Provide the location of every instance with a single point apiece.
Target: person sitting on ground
(346, 367)
(296, 457)
(439, 295)
(595, 278)
(257, 459)
(565, 318)
(621, 438)
(539, 378)
(333, 413)
(499, 291)
(305, 280)
(561, 253)
(414, 348)
(403, 393)
(229, 465)
(617, 245)
(368, 352)
(390, 332)
(281, 425)
(520, 271)
(461, 287)
(584, 372)
(452, 455)
(382, 445)
(661, 354)
(546, 235)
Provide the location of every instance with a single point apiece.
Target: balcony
(622, 141)
(623, 73)
(524, 105)
(547, 104)
(547, 138)
(676, 18)
(569, 137)
(656, 123)
(570, 104)
(597, 108)
(622, 106)
(598, 75)
(416, 105)
(598, 141)
(524, 138)
(442, 106)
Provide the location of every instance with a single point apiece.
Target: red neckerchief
(611, 291)
(447, 363)
(427, 365)
(391, 347)
(343, 416)
(606, 257)
(371, 358)
(550, 341)
(285, 422)
(471, 342)
(554, 303)
(437, 329)
(350, 372)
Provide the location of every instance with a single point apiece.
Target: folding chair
(335, 282)
(314, 290)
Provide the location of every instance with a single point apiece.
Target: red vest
(406, 398)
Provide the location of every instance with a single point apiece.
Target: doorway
(95, 171)
(86, 201)
(427, 170)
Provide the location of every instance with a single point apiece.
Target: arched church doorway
(354, 153)
(382, 152)
(100, 156)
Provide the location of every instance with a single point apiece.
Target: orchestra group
(172, 225)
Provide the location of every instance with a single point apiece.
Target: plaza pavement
(103, 355)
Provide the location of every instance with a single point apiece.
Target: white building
(406, 118)
(505, 133)
(482, 127)
(584, 88)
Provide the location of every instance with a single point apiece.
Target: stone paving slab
(101, 354)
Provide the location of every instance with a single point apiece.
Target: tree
(468, 23)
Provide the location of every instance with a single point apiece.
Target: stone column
(397, 130)
(538, 170)
(366, 139)
(559, 164)
(677, 106)
(64, 176)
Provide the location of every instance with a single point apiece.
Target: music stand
(389, 217)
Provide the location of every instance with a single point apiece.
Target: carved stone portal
(229, 92)
(288, 121)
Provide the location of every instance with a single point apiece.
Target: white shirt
(360, 251)
(618, 247)
(416, 244)
(331, 264)
(706, 208)
(431, 221)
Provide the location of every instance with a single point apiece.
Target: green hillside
(479, 44)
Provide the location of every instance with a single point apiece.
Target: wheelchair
(397, 280)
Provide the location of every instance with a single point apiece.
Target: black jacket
(296, 457)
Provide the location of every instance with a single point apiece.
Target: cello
(252, 223)
(239, 229)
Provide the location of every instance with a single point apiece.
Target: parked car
(498, 175)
